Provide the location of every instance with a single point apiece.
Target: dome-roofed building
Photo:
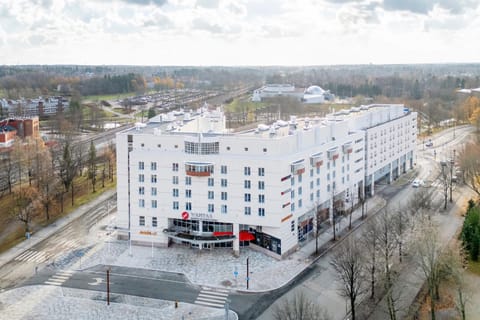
(315, 94)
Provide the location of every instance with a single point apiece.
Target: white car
(417, 183)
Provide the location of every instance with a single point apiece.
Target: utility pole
(108, 286)
(248, 274)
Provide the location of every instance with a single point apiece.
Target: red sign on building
(185, 215)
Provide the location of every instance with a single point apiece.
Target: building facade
(206, 187)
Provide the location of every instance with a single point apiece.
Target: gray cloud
(159, 20)
(424, 6)
(202, 24)
(209, 4)
(146, 2)
(358, 13)
(418, 6)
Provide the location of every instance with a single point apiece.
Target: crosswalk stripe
(214, 293)
(210, 304)
(20, 257)
(60, 277)
(29, 255)
(210, 300)
(53, 283)
(215, 289)
(40, 257)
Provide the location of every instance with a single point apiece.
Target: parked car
(429, 144)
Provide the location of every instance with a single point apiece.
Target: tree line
(38, 177)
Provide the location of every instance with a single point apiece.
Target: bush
(471, 232)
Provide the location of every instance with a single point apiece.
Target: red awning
(222, 233)
(246, 236)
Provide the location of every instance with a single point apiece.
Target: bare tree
(369, 241)
(299, 308)
(387, 244)
(445, 180)
(25, 206)
(348, 265)
(47, 182)
(470, 166)
(92, 165)
(401, 222)
(428, 256)
(420, 202)
(454, 259)
(68, 167)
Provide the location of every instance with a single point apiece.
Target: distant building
(313, 94)
(34, 107)
(18, 127)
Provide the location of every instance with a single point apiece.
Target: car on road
(417, 183)
(429, 144)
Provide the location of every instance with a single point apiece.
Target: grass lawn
(474, 267)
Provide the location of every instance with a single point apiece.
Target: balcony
(197, 169)
(298, 167)
(316, 159)
(333, 154)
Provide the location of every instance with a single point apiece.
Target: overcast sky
(238, 32)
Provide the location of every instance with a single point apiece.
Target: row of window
(223, 169)
(211, 209)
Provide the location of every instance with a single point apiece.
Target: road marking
(32, 256)
(97, 282)
(59, 278)
(212, 297)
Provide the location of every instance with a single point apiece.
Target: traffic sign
(185, 215)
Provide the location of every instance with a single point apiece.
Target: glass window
(154, 191)
(141, 190)
(223, 182)
(188, 206)
(174, 166)
(261, 212)
(224, 208)
(224, 195)
(292, 181)
(311, 184)
(175, 205)
(292, 226)
(299, 178)
(175, 192)
(153, 166)
(247, 211)
(154, 222)
(141, 220)
(318, 170)
(210, 195)
(154, 204)
(141, 165)
(246, 184)
(175, 179)
(246, 171)
(141, 203)
(292, 194)
(211, 207)
(210, 182)
(223, 169)
(300, 191)
(261, 185)
(311, 196)
(261, 172)
(318, 193)
(247, 197)
(188, 181)
(318, 181)
(261, 198)
(299, 203)
(188, 193)
(141, 178)
(311, 172)
(292, 206)
(154, 178)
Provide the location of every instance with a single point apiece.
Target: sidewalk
(47, 231)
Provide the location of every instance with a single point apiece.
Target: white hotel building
(204, 186)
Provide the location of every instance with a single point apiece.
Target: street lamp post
(452, 164)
